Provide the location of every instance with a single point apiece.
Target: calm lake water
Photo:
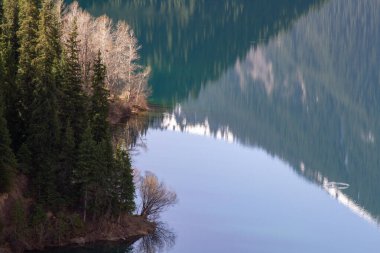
(271, 129)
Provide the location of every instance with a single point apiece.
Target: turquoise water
(270, 135)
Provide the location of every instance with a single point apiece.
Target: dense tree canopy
(54, 119)
(7, 159)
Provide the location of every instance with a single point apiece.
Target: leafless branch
(155, 196)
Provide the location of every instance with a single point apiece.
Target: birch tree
(126, 79)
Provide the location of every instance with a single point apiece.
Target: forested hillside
(59, 171)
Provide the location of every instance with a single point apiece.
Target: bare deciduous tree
(126, 79)
(155, 196)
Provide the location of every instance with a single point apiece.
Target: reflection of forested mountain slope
(310, 96)
(190, 42)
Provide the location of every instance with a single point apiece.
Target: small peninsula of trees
(60, 71)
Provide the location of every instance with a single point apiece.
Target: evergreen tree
(24, 159)
(2, 66)
(67, 164)
(27, 35)
(9, 54)
(87, 164)
(7, 158)
(99, 101)
(124, 188)
(42, 87)
(43, 142)
(1, 13)
(44, 127)
(2, 49)
(9, 40)
(74, 99)
(103, 176)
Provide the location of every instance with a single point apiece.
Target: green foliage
(86, 159)
(1, 13)
(38, 216)
(123, 185)
(9, 40)
(27, 36)
(67, 161)
(76, 223)
(87, 164)
(44, 128)
(74, 99)
(99, 101)
(103, 178)
(62, 227)
(43, 142)
(48, 46)
(44, 109)
(24, 159)
(9, 58)
(7, 158)
(38, 222)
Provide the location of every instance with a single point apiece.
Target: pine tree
(44, 128)
(27, 35)
(7, 158)
(99, 101)
(43, 142)
(9, 54)
(24, 159)
(124, 186)
(9, 40)
(2, 49)
(2, 69)
(1, 13)
(103, 176)
(74, 99)
(87, 164)
(67, 165)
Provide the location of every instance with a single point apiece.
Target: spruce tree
(44, 128)
(124, 188)
(24, 159)
(9, 54)
(2, 80)
(9, 40)
(1, 13)
(87, 164)
(2, 49)
(7, 158)
(27, 35)
(67, 164)
(103, 176)
(99, 101)
(74, 99)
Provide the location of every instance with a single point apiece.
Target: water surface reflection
(309, 96)
(163, 239)
(294, 90)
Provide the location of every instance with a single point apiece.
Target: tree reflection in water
(162, 239)
(129, 134)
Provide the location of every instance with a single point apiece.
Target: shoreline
(128, 232)
(126, 228)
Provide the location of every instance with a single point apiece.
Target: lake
(270, 127)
